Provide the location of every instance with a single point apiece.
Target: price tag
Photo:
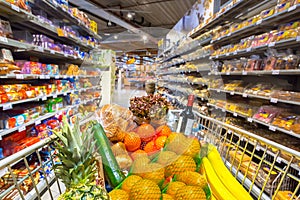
(55, 96)
(72, 92)
(274, 100)
(65, 76)
(56, 77)
(229, 34)
(258, 148)
(235, 53)
(272, 44)
(298, 38)
(3, 39)
(44, 98)
(278, 160)
(52, 51)
(227, 54)
(65, 94)
(42, 76)
(229, 132)
(235, 114)
(292, 8)
(41, 49)
(3, 171)
(223, 110)
(15, 8)
(37, 122)
(227, 73)
(19, 76)
(250, 120)
(249, 49)
(216, 73)
(245, 95)
(218, 90)
(272, 128)
(244, 73)
(231, 93)
(7, 106)
(22, 128)
(275, 72)
(66, 55)
(47, 77)
(242, 139)
(217, 56)
(258, 22)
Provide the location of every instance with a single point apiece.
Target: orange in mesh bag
(116, 121)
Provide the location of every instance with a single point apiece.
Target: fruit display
(149, 108)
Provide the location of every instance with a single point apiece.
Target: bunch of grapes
(149, 107)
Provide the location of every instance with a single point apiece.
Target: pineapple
(88, 192)
(182, 164)
(118, 194)
(173, 187)
(192, 178)
(145, 189)
(166, 157)
(154, 172)
(129, 182)
(78, 165)
(167, 197)
(190, 192)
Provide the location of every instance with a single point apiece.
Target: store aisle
(122, 97)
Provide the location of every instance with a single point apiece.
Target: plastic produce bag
(116, 120)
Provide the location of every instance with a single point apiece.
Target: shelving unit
(87, 90)
(262, 149)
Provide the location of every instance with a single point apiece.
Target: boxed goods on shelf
(5, 29)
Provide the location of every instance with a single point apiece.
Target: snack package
(116, 120)
(267, 113)
(285, 120)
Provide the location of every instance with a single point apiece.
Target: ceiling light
(107, 34)
(115, 37)
(109, 23)
(145, 37)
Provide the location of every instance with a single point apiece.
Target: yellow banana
(226, 177)
(218, 189)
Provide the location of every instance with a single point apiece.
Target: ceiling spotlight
(107, 34)
(145, 37)
(115, 37)
(109, 23)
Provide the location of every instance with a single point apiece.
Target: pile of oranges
(146, 139)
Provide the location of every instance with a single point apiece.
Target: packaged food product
(285, 120)
(267, 13)
(266, 113)
(5, 29)
(283, 6)
(254, 63)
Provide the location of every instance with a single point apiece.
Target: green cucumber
(110, 165)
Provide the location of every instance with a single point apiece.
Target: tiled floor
(120, 97)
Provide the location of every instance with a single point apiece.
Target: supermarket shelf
(227, 15)
(247, 183)
(32, 22)
(61, 13)
(184, 81)
(244, 73)
(199, 57)
(36, 76)
(289, 43)
(272, 100)
(249, 119)
(185, 71)
(273, 20)
(7, 106)
(41, 187)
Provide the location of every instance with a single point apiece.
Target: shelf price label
(19, 76)
(250, 120)
(275, 72)
(249, 49)
(278, 159)
(298, 38)
(15, 8)
(274, 100)
(56, 77)
(258, 22)
(272, 128)
(292, 8)
(7, 106)
(47, 77)
(52, 51)
(227, 73)
(37, 122)
(39, 48)
(3, 39)
(244, 73)
(22, 128)
(235, 114)
(44, 98)
(245, 95)
(232, 93)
